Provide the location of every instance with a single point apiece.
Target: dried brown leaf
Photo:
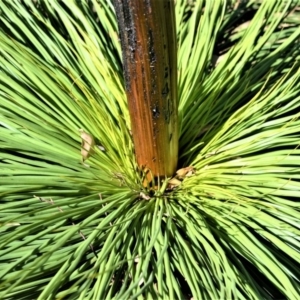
(87, 144)
(188, 171)
(144, 196)
(174, 182)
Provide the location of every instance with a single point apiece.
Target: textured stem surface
(148, 38)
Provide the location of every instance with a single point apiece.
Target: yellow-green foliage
(74, 227)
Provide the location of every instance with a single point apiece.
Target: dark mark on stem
(151, 50)
(165, 90)
(127, 34)
(155, 112)
(166, 72)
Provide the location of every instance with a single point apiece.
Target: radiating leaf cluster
(86, 229)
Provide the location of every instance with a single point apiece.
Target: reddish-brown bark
(148, 38)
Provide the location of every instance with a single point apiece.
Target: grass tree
(77, 220)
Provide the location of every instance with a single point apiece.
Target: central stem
(148, 38)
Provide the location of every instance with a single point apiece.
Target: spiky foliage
(89, 230)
